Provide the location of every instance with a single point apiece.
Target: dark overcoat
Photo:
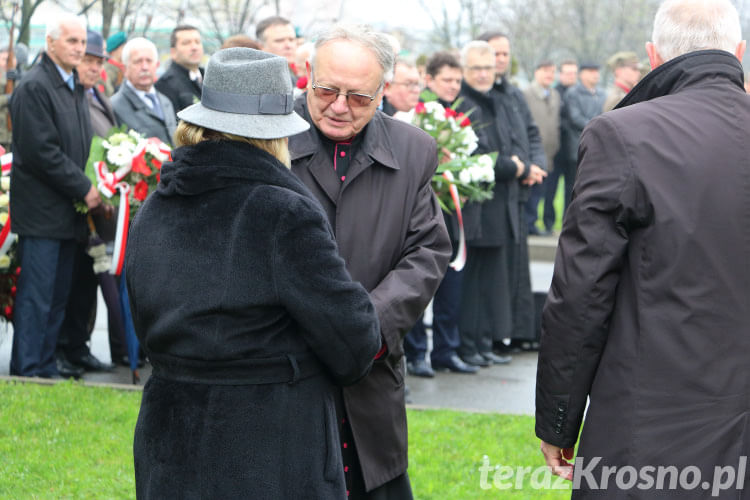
(51, 140)
(249, 318)
(133, 112)
(176, 84)
(390, 231)
(649, 312)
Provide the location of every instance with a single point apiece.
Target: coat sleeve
(590, 257)
(40, 145)
(401, 297)
(334, 313)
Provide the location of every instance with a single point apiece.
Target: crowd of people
(295, 240)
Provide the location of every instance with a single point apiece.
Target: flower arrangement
(9, 264)
(473, 176)
(125, 162)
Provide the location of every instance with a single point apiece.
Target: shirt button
(342, 154)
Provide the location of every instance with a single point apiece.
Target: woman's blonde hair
(188, 134)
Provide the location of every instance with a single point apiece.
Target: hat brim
(253, 126)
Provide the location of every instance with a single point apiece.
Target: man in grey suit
(137, 103)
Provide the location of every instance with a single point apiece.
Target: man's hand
(92, 198)
(557, 460)
(520, 166)
(536, 175)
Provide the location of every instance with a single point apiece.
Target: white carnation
(5, 183)
(464, 176)
(436, 109)
(120, 156)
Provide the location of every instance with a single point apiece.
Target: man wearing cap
(372, 175)
(138, 104)
(183, 79)
(51, 138)
(583, 102)
(114, 70)
(72, 344)
(627, 70)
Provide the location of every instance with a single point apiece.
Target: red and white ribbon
(460, 261)
(106, 180)
(6, 161)
(123, 224)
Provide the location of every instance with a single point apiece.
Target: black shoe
(495, 359)
(499, 348)
(476, 360)
(419, 368)
(455, 365)
(91, 363)
(66, 369)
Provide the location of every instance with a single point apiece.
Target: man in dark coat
(183, 79)
(72, 344)
(648, 313)
(562, 164)
(138, 104)
(372, 174)
(526, 143)
(51, 137)
(493, 227)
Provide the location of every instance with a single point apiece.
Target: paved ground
(502, 388)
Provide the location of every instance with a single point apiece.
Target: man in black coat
(526, 143)
(51, 137)
(372, 175)
(647, 318)
(494, 228)
(183, 80)
(72, 344)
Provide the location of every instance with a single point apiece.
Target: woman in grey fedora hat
(242, 303)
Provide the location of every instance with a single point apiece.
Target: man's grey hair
(365, 36)
(54, 27)
(683, 26)
(478, 46)
(138, 43)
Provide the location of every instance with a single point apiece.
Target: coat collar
(374, 143)
(212, 165)
(685, 71)
(49, 66)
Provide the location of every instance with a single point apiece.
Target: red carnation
(139, 165)
(8, 311)
(302, 83)
(141, 190)
(420, 109)
(465, 122)
(449, 113)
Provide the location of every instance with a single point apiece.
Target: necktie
(156, 108)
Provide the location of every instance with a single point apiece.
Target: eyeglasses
(354, 99)
(477, 69)
(408, 85)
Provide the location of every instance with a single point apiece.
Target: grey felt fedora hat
(248, 93)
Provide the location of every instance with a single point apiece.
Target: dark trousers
(565, 168)
(76, 332)
(42, 294)
(536, 193)
(486, 299)
(445, 337)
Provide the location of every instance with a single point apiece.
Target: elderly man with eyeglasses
(372, 175)
(402, 94)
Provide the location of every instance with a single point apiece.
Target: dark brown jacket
(390, 231)
(648, 316)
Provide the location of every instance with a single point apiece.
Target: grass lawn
(70, 441)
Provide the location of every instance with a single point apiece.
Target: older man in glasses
(372, 175)
(402, 93)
